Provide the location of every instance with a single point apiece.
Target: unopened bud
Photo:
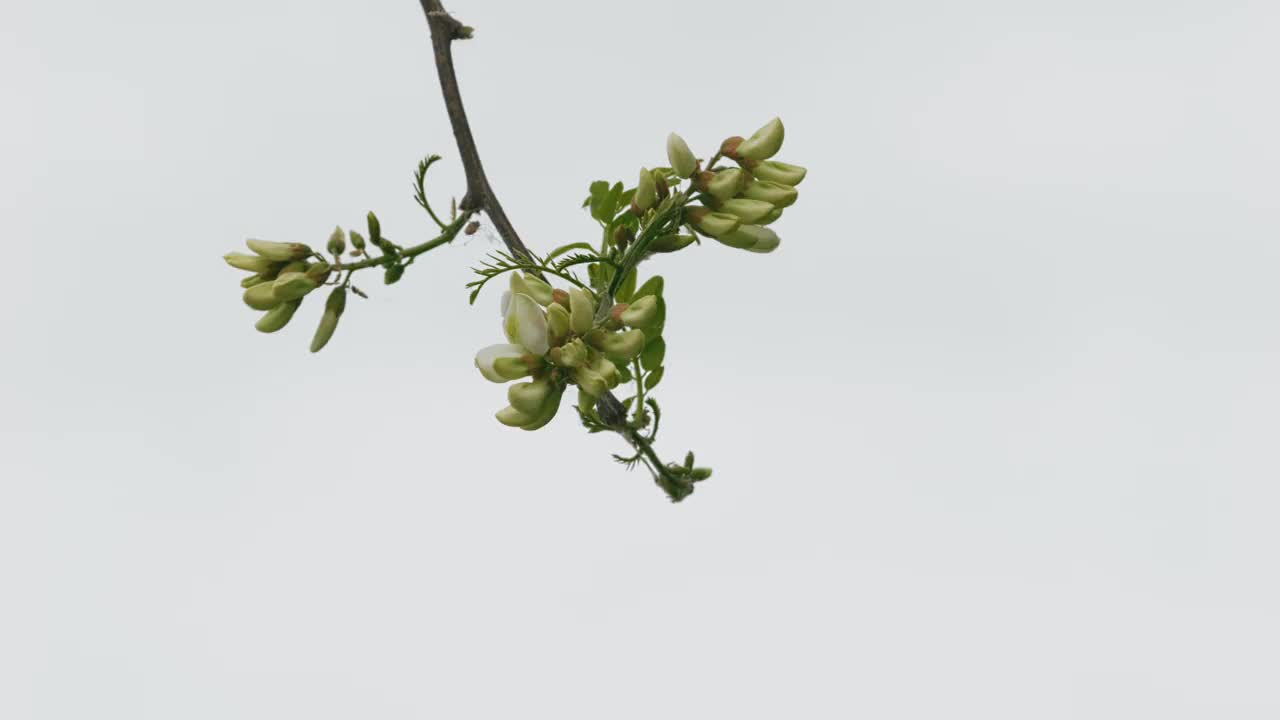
(557, 322)
(337, 241)
(550, 406)
(746, 210)
(278, 251)
(724, 184)
(646, 191)
(292, 286)
(607, 370)
(260, 297)
(590, 382)
(715, 224)
(528, 397)
(699, 474)
(622, 237)
(680, 156)
(252, 263)
(660, 182)
(511, 368)
(581, 314)
(319, 272)
(357, 240)
(729, 148)
(763, 143)
(779, 172)
(641, 313)
(393, 274)
(277, 317)
(375, 229)
(571, 355)
(512, 417)
(771, 217)
(753, 238)
(671, 243)
(536, 288)
(774, 193)
(333, 309)
(560, 297)
(623, 345)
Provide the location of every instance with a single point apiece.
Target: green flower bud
(547, 412)
(747, 210)
(607, 370)
(292, 286)
(572, 354)
(512, 417)
(621, 346)
(333, 308)
(753, 238)
(680, 156)
(771, 217)
(779, 172)
(357, 240)
(319, 272)
(252, 263)
(510, 368)
(646, 191)
(764, 143)
(278, 316)
(722, 185)
(375, 229)
(581, 312)
(590, 382)
(729, 148)
(278, 251)
(261, 297)
(641, 313)
(537, 289)
(775, 194)
(528, 397)
(298, 266)
(715, 224)
(557, 322)
(671, 243)
(256, 279)
(586, 402)
(337, 241)
(699, 474)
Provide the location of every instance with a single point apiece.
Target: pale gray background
(994, 431)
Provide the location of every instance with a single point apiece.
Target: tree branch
(480, 196)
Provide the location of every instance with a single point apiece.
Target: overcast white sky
(994, 431)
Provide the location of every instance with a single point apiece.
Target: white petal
(486, 357)
(527, 322)
(506, 301)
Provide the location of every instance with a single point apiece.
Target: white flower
(526, 324)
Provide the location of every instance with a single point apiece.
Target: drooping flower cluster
(737, 204)
(283, 275)
(555, 339)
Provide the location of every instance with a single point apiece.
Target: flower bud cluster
(554, 339)
(283, 274)
(737, 203)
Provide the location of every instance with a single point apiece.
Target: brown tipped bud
(660, 182)
(622, 237)
(615, 313)
(560, 297)
(671, 243)
(729, 148)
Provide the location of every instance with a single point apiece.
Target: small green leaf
(599, 201)
(652, 379)
(654, 352)
(627, 288)
(566, 248)
(652, 286)
(624, 374)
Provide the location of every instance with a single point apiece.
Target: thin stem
(450, 232)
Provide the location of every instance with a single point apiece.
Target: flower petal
(486, 357)
(527, 324)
